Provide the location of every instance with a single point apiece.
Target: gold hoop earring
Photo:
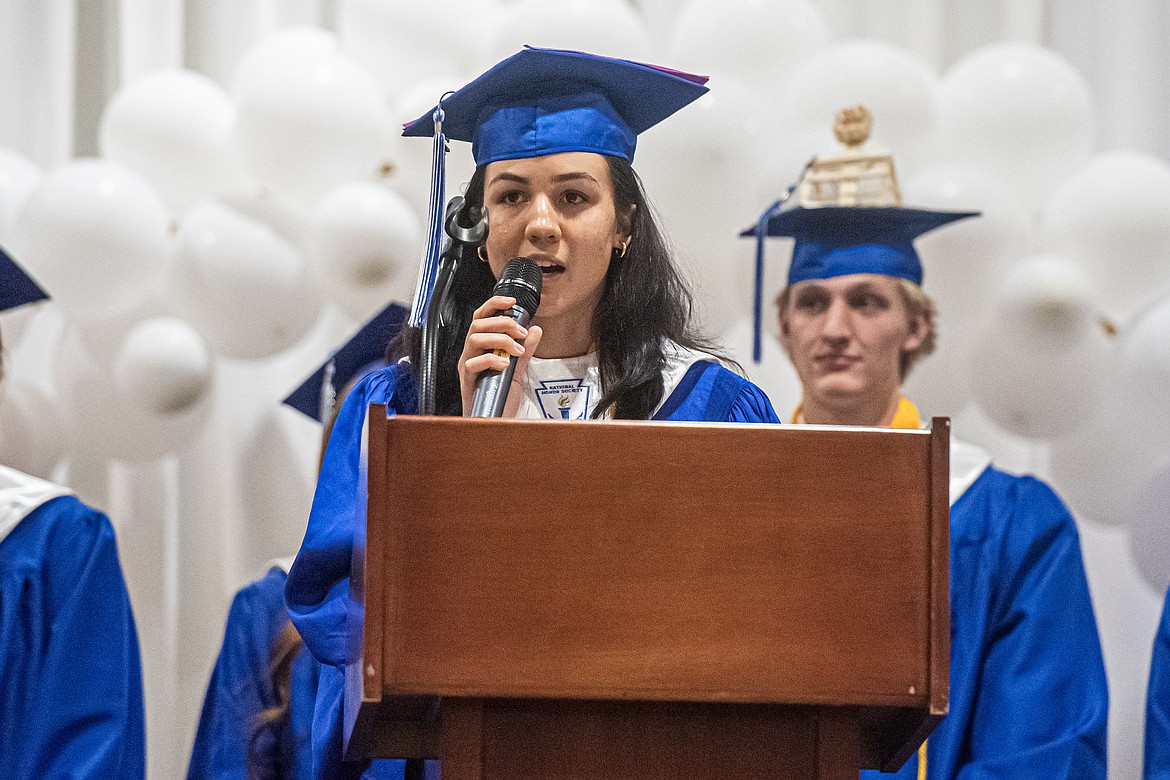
(625, 246)
(479, 253)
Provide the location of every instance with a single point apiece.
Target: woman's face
(559, 211)
(846, 337)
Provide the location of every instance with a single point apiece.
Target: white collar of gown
(967, 463)
(20, 494)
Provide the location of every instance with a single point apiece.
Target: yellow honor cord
(922, 762)
(905, 416)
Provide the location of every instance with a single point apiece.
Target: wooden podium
(611, 601)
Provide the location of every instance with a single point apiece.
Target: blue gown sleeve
(1157, 748)
(752, 405)
(708, 392)
(1042, 701)
(241, 686)
(317, 592)
(71, 679)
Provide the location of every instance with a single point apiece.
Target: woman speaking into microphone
(553, 135)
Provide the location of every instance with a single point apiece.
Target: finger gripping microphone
(520, 280)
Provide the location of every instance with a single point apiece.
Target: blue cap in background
(364, 353)
(16, 287)
(840, 240)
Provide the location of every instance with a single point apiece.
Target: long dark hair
(644, 303)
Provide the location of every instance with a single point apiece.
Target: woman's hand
(490, 335)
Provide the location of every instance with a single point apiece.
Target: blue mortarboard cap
(16, 287)
(546, 101)
(837, 241)
(841, 240)
(363, 353)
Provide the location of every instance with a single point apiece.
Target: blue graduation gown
(70, 674)
(1028, 694)
(1157, 751)
(241, 687)
(317, 592)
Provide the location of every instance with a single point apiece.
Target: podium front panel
(654, 562)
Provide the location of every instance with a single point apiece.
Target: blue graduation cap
(16, 287)
(538, 102)
(364, 353)
(546, 101)
(840, 240)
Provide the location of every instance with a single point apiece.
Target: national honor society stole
(562, 389)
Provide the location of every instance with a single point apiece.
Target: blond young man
(1028, 692)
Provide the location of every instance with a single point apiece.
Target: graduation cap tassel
(758, 303)
(429, 266)
(761, 237)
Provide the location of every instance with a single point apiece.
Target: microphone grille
(521, 280)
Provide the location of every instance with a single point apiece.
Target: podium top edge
(674, 424)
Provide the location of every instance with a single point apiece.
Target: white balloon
(104, 342)
(703, 221)
(32, 431)
(1144, 369)
(163, 365)
(241, 283)
(900, 90)
(1112, 217)
(19, 176)
(95, 234)
(104, 423)
(962, 265)
(282, 214)
(403, 44)
(660, 15)
(1038, 393)
(760, 43)
(290, 42)
(176, 128)
(1019, 111)
(608, 27)
(1102, 468)
(1039, 369)
(1048, 301)
(364, 242)
(309, 120)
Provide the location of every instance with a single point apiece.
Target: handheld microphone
(521, 280)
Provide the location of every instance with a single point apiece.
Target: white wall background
(204, 495)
